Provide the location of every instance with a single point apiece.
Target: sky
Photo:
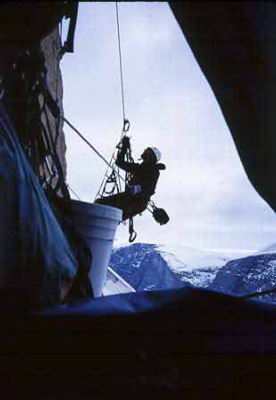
(170, 105)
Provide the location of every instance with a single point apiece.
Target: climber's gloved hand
(125, 142)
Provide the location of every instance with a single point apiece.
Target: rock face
(31, 88)
(51, 48)
(144, 268)
(248, 275)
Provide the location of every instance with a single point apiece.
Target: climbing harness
(111, 183)
(159, 214)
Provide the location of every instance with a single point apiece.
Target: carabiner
(126, 125)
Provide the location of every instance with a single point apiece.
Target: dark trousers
(130, 205)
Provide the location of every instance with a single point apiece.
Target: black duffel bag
(160, 216)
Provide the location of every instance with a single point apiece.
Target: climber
(141, 185)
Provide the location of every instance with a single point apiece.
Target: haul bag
(160, 216)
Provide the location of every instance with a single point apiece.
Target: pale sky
(170, 105)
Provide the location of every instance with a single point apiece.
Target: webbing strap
(132, 233)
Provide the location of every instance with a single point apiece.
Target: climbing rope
(120, 62)
(71, 190)
(89, 144)
(110, 179)
(110, 184)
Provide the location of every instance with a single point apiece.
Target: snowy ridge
(154, 267)
(181, 258)
(269, 249)
(142, 266)
(157, 267)
(248, 275)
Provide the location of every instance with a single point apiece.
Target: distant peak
(269, 249)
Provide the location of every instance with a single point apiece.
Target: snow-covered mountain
(269, 249)
(156, 267)
(143, 267)
(248, 275)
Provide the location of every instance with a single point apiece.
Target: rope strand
(71, 190)
(90, 145)
(121, 65)
(111, 178)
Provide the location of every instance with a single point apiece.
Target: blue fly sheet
(36, 261)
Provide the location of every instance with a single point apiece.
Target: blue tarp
(150, 345)
(36, 261)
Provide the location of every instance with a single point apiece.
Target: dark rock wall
(31, 82)
(52, 47)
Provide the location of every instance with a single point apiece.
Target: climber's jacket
(143, 177)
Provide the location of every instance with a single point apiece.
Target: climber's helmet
(151, 155)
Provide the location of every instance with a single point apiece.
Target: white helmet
(156, 152)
